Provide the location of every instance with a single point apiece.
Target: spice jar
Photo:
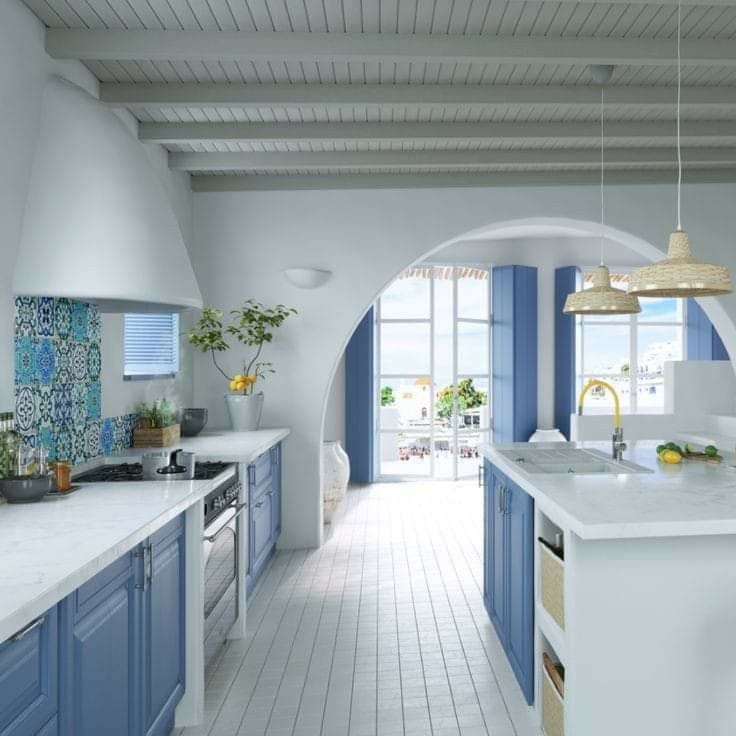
(63, 475)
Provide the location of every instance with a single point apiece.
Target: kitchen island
(97, 547)
(640, 608)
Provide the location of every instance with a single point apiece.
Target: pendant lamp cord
(679, 85)
(603, 211)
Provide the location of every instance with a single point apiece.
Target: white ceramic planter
(336, 474)
(244, 411)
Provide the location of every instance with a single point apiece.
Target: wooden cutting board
(702, 456)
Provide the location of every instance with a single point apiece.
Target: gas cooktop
(126, 472)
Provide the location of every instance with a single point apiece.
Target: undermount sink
(569, 460)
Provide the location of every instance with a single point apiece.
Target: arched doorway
(544, 243)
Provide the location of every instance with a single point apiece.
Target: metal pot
(168, 465)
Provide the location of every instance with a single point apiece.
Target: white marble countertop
(693, 498)
(49, 549)
(224, 445)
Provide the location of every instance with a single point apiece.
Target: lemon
(238, 377)
(671, 457)
(233, 385)
(241, 385)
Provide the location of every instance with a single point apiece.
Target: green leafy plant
(158, 414)
(252, 325)
(387, 396)
(468, 397)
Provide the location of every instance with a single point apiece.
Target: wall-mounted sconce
(307, 278)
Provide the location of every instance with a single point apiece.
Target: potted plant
(157, 424)
(252, 325)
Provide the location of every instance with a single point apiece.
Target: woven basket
(553, 708)
(552, 584)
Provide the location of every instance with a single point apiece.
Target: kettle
(168, 465)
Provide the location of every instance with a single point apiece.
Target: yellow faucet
(617, 444)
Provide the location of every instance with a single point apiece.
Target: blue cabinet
(108, 659)
(163, 638)
(264, 512)
(29, 684)
(122, 670)
(509, 571)
(99, 674)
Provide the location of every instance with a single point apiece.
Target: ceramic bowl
(193, 421)
(26, 489)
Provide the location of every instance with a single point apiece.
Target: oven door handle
(239, 508)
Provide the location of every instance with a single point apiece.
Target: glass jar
(63, 475)
(9, 444)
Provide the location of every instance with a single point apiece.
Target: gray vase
(245, 411)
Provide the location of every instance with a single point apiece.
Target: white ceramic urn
(335, 477)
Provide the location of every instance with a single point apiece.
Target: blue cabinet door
(496, 603)
(29, 684)
(99, 677)
(509, 572)
(260, 542)
(519, 508)
(164, 625)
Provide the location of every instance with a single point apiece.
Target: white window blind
(151, 345)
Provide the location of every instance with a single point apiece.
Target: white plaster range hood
(98, 224)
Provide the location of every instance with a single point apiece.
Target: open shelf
(551, 631)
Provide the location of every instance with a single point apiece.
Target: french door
(433, 368)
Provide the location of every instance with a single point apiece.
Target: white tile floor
(381, 632)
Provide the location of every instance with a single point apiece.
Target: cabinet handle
(27, 629)
(480, 476)
(500, 499)
(238, 508)
(148, 556)
(507, 501)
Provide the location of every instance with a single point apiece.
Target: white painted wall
(694, 391)
(24, 69)
(243, 240)
(335, 413)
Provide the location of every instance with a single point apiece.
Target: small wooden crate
(552, 584)
(553, 708)
(156, 436)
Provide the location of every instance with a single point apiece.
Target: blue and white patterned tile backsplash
(58, 391)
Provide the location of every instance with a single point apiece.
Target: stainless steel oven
(222, 507)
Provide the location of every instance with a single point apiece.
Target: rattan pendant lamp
(680, 275)
(601, 298)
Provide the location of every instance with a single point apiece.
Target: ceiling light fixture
(680, 274)
(601, 298)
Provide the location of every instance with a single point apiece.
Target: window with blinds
(151, 345)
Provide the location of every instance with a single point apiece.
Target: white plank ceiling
(319, 93)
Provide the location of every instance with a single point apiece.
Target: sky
(405, 347)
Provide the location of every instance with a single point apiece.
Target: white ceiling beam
(663, 3)
(541, 158)
(182, 95)
(230, 183)
(193, 133)
(276, 46)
